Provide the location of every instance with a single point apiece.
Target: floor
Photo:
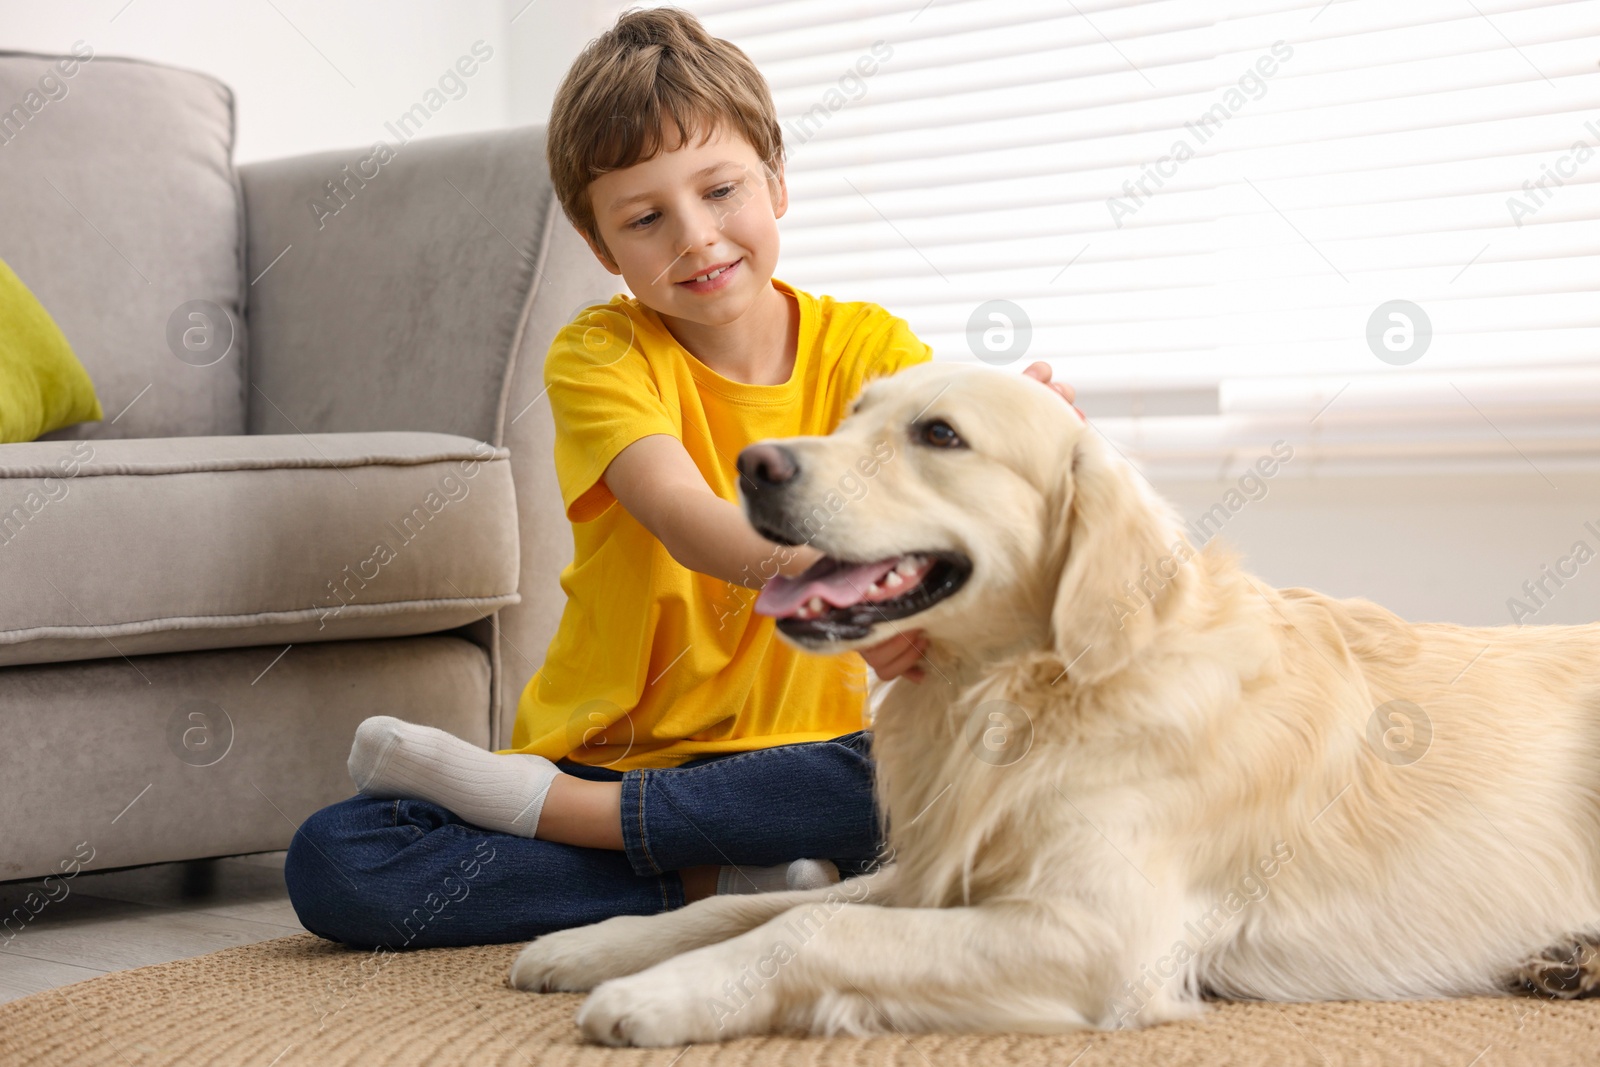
(117, 920)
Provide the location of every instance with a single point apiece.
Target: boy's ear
(601, 253)
(778, 188)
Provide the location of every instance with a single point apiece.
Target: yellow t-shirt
(654, 664)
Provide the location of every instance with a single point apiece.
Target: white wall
(546, 37)
(1447, 547)
(310, 75)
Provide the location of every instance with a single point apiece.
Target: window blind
(1369, 229)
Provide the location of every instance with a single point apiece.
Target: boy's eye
(727, 190)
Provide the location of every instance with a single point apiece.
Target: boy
(670, 746)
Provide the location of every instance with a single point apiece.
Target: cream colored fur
(1217, 795)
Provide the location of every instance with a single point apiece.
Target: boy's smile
(694, 210)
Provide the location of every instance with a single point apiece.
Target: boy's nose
(768, 466)
(704, 229)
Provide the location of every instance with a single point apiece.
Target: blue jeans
(411, 874)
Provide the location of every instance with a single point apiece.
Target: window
(1367, 228)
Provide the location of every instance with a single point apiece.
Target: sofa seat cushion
(128, 547)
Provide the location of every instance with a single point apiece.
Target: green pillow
(43, 387)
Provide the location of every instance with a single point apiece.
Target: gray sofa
(323, 487)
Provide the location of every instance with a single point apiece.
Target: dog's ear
(1125, 561)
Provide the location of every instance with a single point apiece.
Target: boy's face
(690, 209)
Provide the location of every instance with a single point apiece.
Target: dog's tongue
(839, 584)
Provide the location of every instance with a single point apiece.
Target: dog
(1135, 778)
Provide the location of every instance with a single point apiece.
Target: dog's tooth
(908, 565)
(815, 604)
(893, 580)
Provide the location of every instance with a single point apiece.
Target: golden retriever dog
(1134, 778)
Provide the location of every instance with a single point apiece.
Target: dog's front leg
(838, 967)
(578, 959)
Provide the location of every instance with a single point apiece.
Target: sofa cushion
(431, 266)
(120, 548)
(120, 209)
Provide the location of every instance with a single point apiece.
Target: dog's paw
(1569, 970)
(714, 993)
(665, 1005)
(577, 960)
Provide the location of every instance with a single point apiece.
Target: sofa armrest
(418, 288)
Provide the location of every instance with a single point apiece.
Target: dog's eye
(940, 434)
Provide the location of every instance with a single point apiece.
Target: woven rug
(304, 1002)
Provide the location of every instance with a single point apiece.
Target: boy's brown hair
(654, 65)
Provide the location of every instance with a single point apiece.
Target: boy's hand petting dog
(899, 654)
(1040, 372)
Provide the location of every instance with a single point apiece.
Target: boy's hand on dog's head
(1040, 372)
(898, 655)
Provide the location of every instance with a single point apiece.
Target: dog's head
(974, 505)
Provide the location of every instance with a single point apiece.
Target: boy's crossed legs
(610, 842)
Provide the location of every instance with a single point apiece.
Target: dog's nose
(768, 466)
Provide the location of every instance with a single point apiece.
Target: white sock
(801, 874)
(811, 874)
(393, 758)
